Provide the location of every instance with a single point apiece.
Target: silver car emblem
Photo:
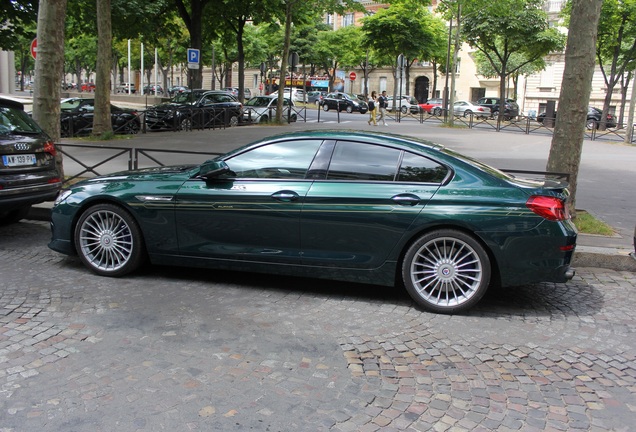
(21, 146)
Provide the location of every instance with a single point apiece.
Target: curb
(584, 256)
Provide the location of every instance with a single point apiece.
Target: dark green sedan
(365, 207)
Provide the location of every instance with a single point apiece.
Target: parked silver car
(465, 108)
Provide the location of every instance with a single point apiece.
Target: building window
(382, 84)
(329, 20)
(347, 20)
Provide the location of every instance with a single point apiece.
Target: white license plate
(19, 160)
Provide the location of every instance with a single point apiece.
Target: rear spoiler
(542, 174)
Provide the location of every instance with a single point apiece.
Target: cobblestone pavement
(181, 349)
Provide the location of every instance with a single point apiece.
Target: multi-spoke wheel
(446, 271)
(108, 240)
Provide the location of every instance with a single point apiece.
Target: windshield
(185, 98)
(16, 121)
(258, 102)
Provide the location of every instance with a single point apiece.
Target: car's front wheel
(234, 121)
(404, 110)
(349, 109)
(325, 107)
(446, 271)
(437, 111)
(109, 241)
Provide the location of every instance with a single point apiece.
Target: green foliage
(505, 28)
(17, 20)
(405, 27)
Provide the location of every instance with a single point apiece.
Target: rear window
(13, 120)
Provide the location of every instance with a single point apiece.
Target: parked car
(28, 174)
(153, 89)
(407, 104)
(123, 88)
(247, 93)
(511, 109)
(172, 91)
(344, 102)
(297, 95)
(433, 106)
(366, 207)
(593, 120)
(262, 109)
(315, 96)
(465, 108)
(195, 109)
(77, 116)
(87, 87)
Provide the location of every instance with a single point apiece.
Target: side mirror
(213, 169)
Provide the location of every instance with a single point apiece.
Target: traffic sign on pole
(194, 58)
(353, 76)
(34, 47)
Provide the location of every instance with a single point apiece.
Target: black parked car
(593, 118)
(344, 102)
(511, 109)
(197, 109)
(28, 174)
(77, 118)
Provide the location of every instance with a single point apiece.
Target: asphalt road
(605, 183)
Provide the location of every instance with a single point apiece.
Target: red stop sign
(34, 47)
(352, 76)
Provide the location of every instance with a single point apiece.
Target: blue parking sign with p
(193, 55)
(193, 58)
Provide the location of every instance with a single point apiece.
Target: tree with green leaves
(504, 28)
(485, 68)
(404, 28)
(567, 141)
(616, 45)
(18, 20)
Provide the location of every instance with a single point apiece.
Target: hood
(167, 173)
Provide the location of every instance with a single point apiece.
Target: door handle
(285, 196)
(406, 199)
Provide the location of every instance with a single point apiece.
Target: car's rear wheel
(234, 121)
(294, 118)
(437, 111)
(446, 271)
(591, 124)
(109, 241)
(404, 110)
(467, 113)
(349, 109)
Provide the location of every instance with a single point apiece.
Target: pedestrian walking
(383, 102)
(373, 108)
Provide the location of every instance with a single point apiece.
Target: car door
(370, 195)
(253, 213)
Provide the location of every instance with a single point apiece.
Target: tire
(325, 107)
(185, 124)
(349, 109)
(446, 271)
(234, 121)
(437, 111)
(132, 128)
(65, 130)
(294, 118)
(495, 114)
(404, 110)
(263, 119)
(467, 113)
(109, 241)
(15, 215)
(591, 124)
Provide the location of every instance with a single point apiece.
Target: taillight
(49, 147)
(550, 208)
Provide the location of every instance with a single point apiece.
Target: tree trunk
(283, 63)
(49, 66)
(102, 122)
(567, 142)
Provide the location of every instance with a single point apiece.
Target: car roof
(11, 103)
